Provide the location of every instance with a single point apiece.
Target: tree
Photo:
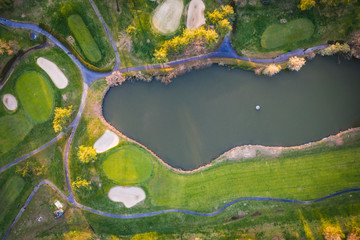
(306, 4)
(354, 42)
(333, 233)
(223, 27)
(130, 30)
(81, 183)
(296, 63)
(335, 48)
(115, 79)
(61, 118)
(30, 168)
(271, 70)
(86, 154)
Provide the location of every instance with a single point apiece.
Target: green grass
(278, 35)
(10, 192)
(13, 129)
(84, 38)
(304, 178)
(128, 165)
(36, 96)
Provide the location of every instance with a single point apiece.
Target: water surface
(204, 113)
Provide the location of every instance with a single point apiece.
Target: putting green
(36, 95)
(84, 38)
(128, 165)
(13, 129)
(278, 35)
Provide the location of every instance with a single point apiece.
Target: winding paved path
(225, 51)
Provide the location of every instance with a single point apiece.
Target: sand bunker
(166, 18)
(195, 14)
(10, 102)
(108, 140)
(56, 75)
(129, 196)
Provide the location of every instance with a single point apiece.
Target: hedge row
(72, 49)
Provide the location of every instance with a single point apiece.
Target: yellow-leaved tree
(306, 4)
(86, 154)
(81, 183)
(62, 116)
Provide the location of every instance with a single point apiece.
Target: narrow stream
(202, 114)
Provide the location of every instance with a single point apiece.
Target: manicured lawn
(278, 35)
(84, 38)
(128, 165)
(13, 129)
(36, 96)
(306, 177)
(10, 192)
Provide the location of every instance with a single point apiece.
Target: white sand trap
(10, 102)
(129, 196)
(195, 14)
(108, 140)
(56, 75)
(166, 18)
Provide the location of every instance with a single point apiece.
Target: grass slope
(36, 96)
(10, 192)
(128, 165)
(306, 177)
(278, 35)
(13, 129)
(84, 38)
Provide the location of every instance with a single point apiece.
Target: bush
(271, 70)
(296, 63)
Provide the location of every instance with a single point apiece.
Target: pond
(202, 114)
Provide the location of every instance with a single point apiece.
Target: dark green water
(204, 113)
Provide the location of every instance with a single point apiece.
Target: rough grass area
(84, 38)
(128, 165)
(36, 96)
(278, 35)
(42, 205)
(330, 23)
(10, 192)
(13, 129)
(244, 220)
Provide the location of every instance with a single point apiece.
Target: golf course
(115, 123)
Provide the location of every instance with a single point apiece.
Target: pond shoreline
(238, 153)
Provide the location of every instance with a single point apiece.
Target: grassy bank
(24, 133)
(244, 220)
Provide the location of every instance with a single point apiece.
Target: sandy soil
(129, 196)
(56, 75)
(195, 14)
(108, 140)
(10, 102)
(166, 18)
(247, 152)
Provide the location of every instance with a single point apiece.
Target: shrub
(61, 118)
(81, 183)
(335, 48)
(86, 154)
(271, 70)
(296, 63)
(333, 233)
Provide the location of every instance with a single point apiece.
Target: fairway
(301, 178)
(13, 129)
(128, 165)
(84, 38)
(278, 35)
(9, 193)
(36, 96)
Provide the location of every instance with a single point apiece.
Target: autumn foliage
(296, 63)
(81, 183)
(86, 154)
(333, 233)
(62, 116)
(8, 47)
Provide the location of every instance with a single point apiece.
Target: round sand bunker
(129, 196)
(10, 102)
